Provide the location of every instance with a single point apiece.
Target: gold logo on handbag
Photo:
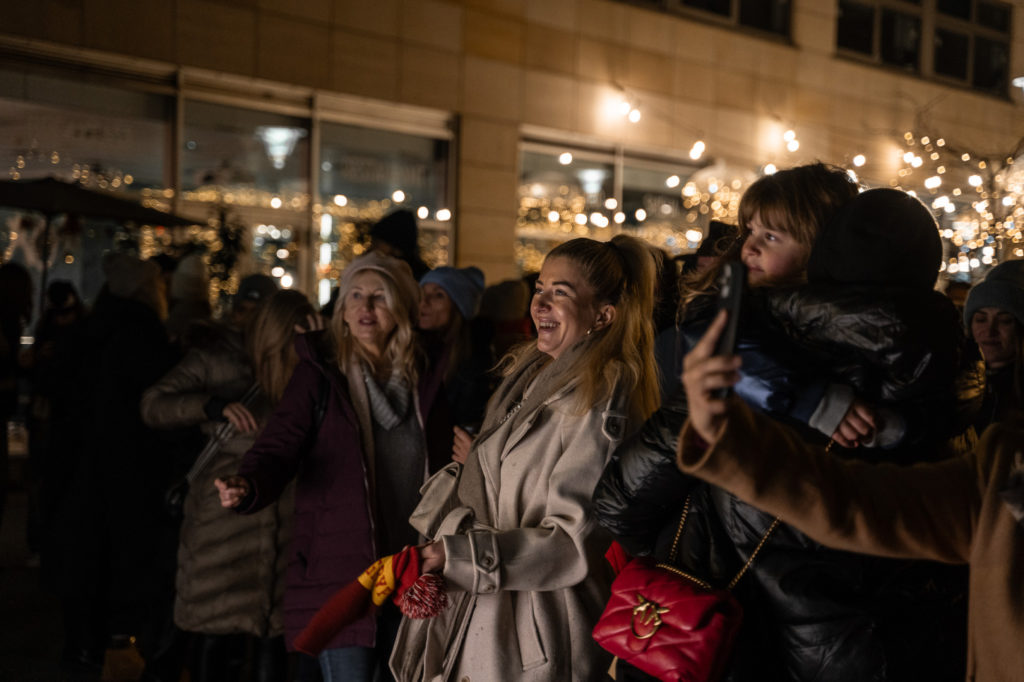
(650, 615)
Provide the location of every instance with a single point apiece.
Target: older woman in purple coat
(359, 430)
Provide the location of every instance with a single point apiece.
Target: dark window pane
(723, 7)
(855, 30)
(901, 39)
(955, 8)
(991, 65)
(767, 15)
(951, 54)
(994, 16)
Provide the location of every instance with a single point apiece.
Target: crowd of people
(206, 486)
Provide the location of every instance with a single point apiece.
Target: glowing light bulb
(282, 253)
(693, 236)
(580, 219)
(697, 150)
(340, 199)
(634, 116)
(286, 281)
(610, 203)
(770, 169)
(553, 216)
(641, 215)
(423, 212)
(789, 135)
(974, 181)
(398, 196)
(275, 202)
(859, 160)
(672, 181)
(933, 182)
(620, 218)
(793, 145)
(443, 215)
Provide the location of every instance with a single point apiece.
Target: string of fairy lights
(976, 198)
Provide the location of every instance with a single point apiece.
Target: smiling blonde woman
(521, 554)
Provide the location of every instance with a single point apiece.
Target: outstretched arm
(928, 511)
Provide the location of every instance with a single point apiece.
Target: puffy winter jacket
(810, 613)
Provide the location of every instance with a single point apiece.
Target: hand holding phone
(731, 283)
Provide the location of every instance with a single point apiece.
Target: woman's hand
(240, 417)
(432, 557)
(232, 490)
(461, 444)
(857, 426)
(704, 373)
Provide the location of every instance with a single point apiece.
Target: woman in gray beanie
(994, 316)
(447, 313)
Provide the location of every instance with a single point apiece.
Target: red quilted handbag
(670, 624)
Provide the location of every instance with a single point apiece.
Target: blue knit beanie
(464, 286)
(1003, 288)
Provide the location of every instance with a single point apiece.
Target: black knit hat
(398, 229)
(881, 236)
(1002, 288)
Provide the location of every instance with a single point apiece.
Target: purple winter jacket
(334, 534)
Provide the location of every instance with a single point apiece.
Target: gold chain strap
(675, 547)
(764, 539)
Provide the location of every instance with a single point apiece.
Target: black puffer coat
(811, 613)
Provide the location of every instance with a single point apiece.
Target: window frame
(931, 21)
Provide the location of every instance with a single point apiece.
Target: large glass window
(365, 174)
(78, 131)
(248, 172)
(768, 16)
(969, 43)
(571, 192)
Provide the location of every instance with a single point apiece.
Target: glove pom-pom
(425, 598)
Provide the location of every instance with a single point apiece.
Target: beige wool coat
(526, 569)
(951, 511)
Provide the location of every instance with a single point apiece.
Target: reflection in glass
(244, 157)
(666, 203)
(901, 39)
(248, 172)
(102, 137)
(991, 65)
(365, 174)
(856, 27)
(951, 50)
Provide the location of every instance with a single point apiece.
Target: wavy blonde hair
(621, 273)
(402, 349)
(270, 338)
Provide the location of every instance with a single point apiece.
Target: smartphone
(731, 283)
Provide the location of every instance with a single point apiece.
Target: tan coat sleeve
(927, 511)
(177, 399)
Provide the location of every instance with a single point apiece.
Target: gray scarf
(389, 404)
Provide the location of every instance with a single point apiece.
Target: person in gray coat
(230, 577)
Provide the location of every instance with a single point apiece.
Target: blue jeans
(364, 664)
(348, 664)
